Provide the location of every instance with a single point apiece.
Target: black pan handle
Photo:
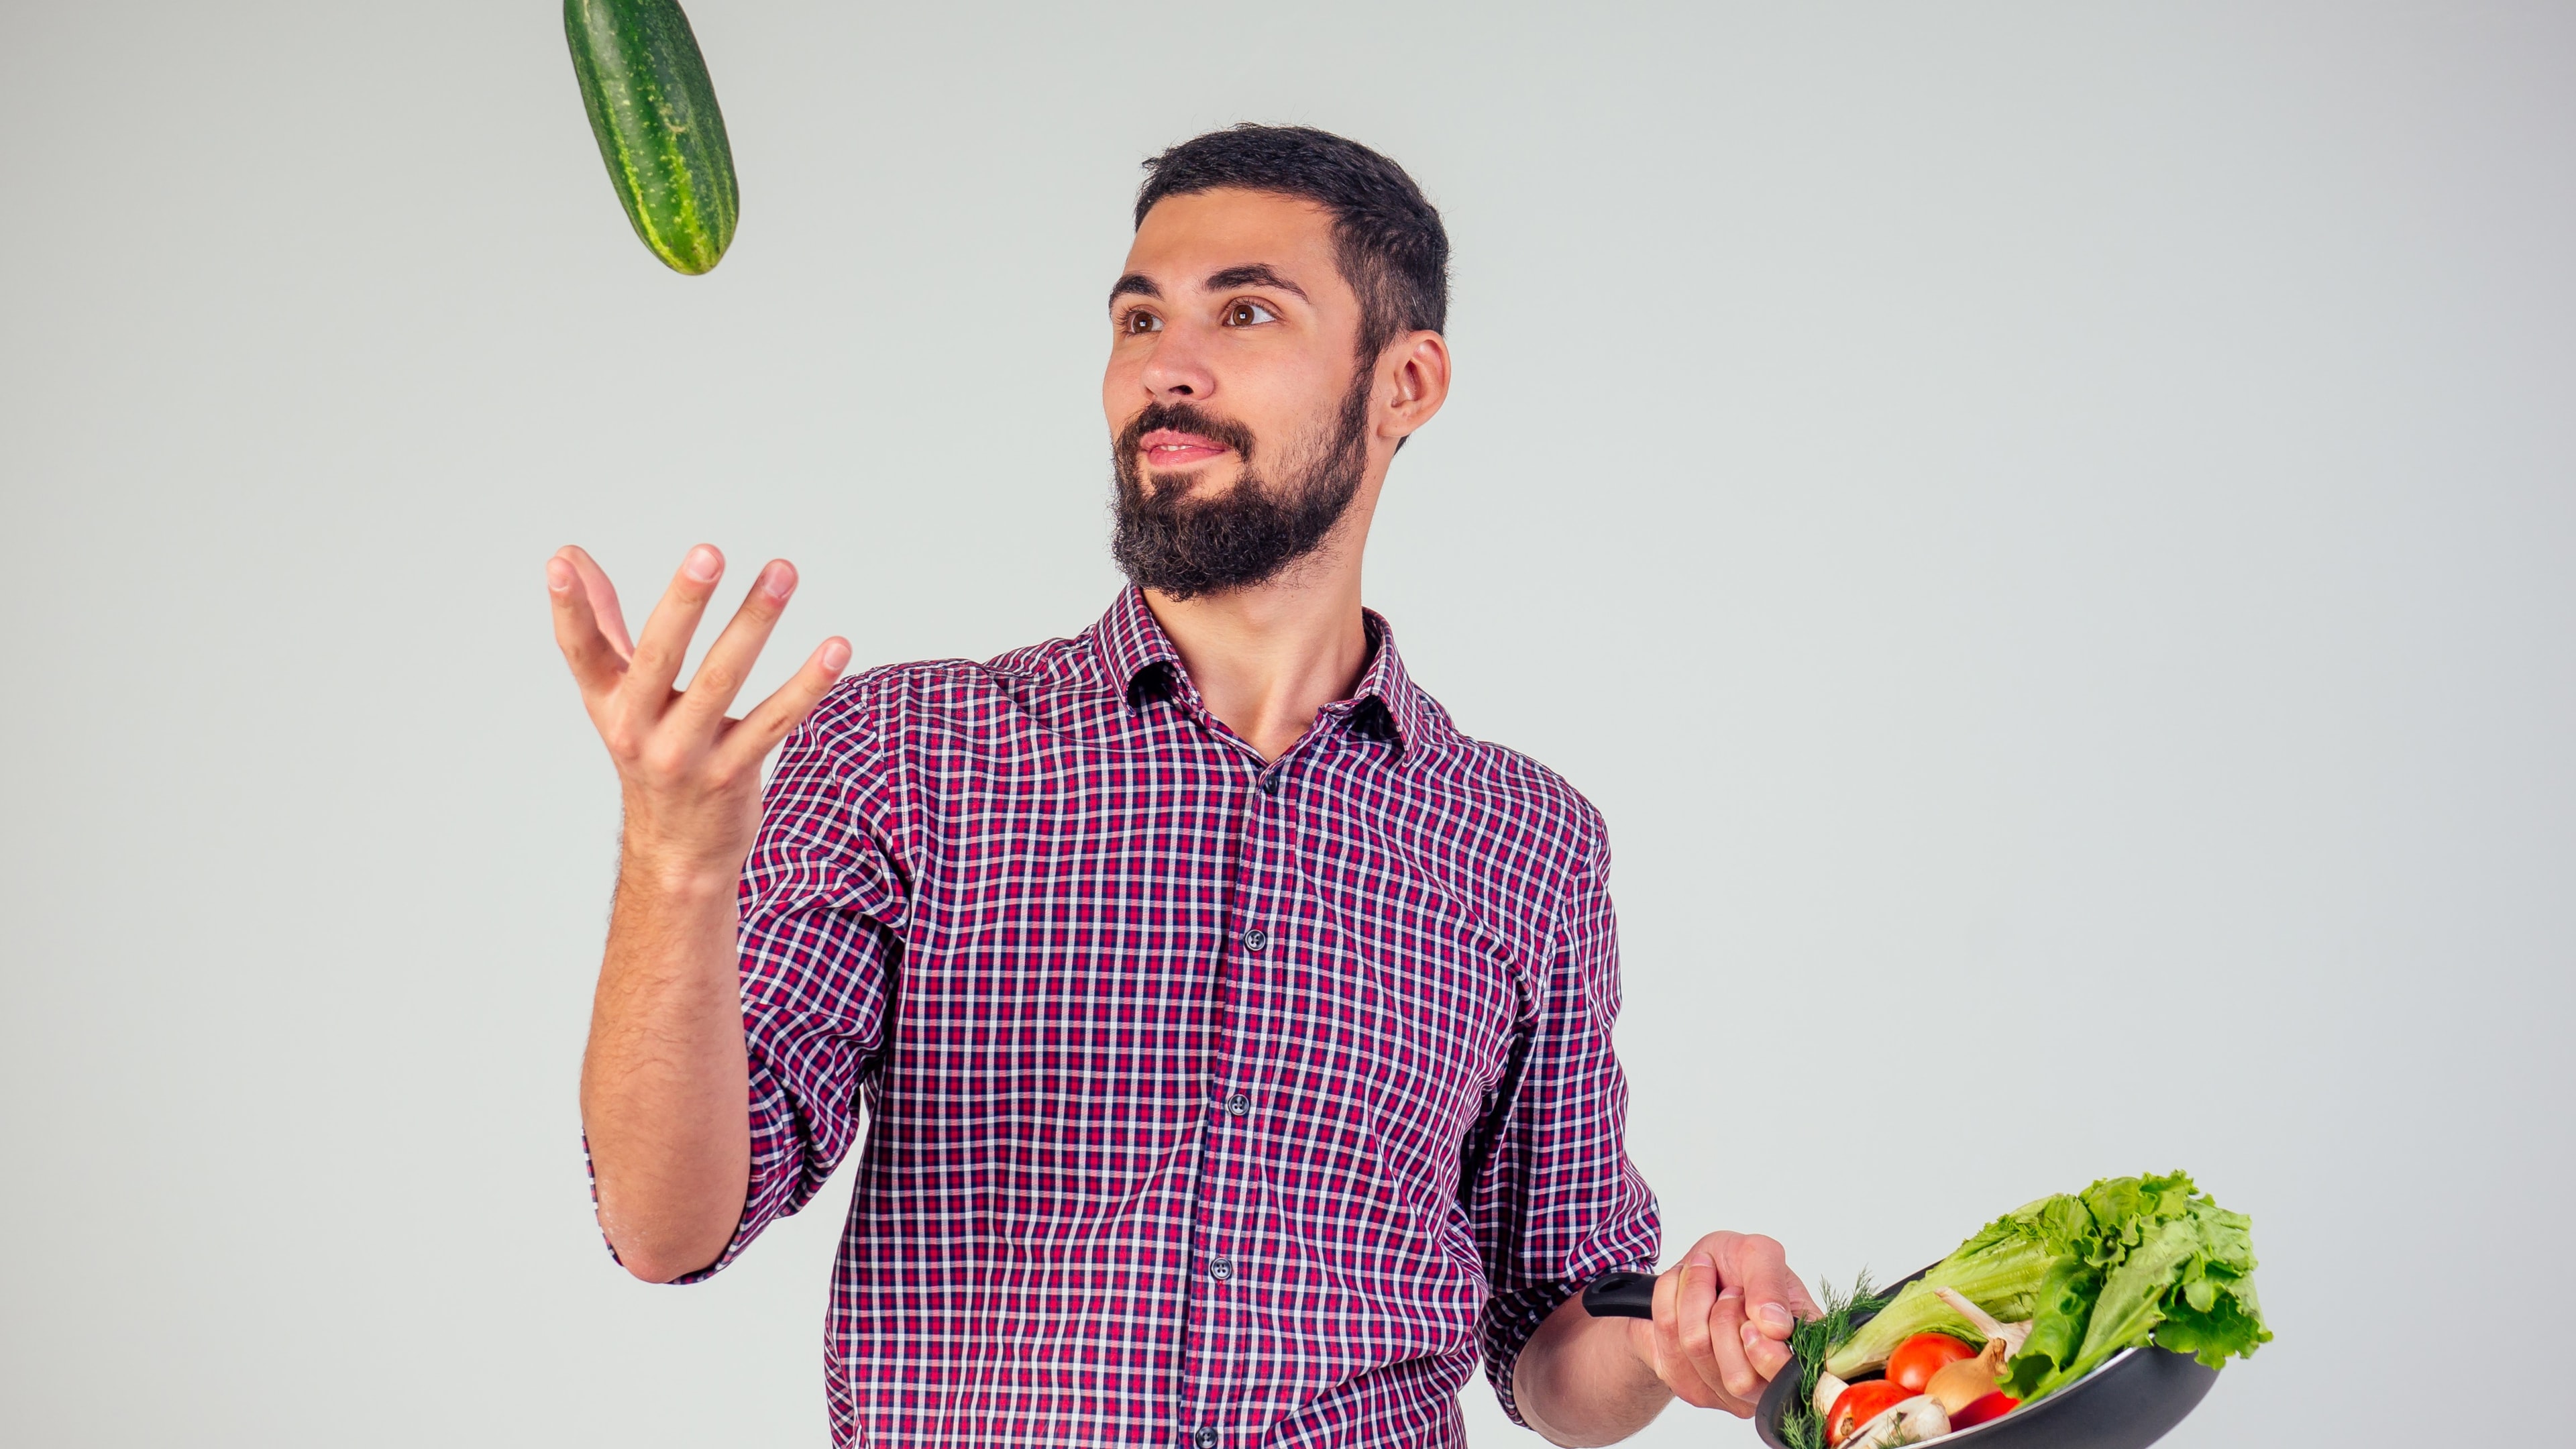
(1621, 1295)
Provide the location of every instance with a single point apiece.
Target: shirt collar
(1386, 704)
(1131, 642)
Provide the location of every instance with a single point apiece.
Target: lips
(1170, 448)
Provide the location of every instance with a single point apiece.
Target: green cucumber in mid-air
(654, 111)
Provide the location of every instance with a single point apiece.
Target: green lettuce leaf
(2128, 1261)
(2127, 1309)
(2057, 1325)
(2000, 1270)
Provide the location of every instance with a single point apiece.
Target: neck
(1266, 659)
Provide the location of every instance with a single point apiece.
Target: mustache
(1182, 418)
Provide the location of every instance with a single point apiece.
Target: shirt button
(1255, 939)
(1238, 1104)
(1220, 1269)
(1270, 784)
(1204, 1439)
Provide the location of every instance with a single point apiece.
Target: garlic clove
(1922, 1417)
(2014, 1335)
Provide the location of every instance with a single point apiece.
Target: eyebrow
(1251, 274)
(1255, 274)
(1134, 284)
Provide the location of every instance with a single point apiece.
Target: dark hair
(1387, 238)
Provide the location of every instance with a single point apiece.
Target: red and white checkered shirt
(1211, 1101)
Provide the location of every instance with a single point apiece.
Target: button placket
(1220, 1162)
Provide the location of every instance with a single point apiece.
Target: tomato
(1918, 1358)
(1861, 1403)
(1992, 1406)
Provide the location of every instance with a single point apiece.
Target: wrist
(676, 872)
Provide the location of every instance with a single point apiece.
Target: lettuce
(2127, 1261)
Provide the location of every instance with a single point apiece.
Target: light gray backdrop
(2048, 529)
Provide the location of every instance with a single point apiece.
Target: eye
(1248, 313)
(1137, 322)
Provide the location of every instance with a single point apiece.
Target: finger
(603, 599)
(595, 665)
(1767, 1355)
(1683, 1298)
(1778, 1300)
(673, 621)
(1734, 1372)
(757, 733)
(1669, 1365)
(1699, 1290)
(720, 675)
(1774, 1296)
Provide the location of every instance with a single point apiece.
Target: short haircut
(1387, 239)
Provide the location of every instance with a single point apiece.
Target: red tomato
(1861, 1403)
(1918, 1358)
(1992, 1406)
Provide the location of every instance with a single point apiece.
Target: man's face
(1235, 397)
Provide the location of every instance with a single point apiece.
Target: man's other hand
(1722, 1321)
(689, 774)
(662, 1084)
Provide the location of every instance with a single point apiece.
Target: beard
(1181, 545)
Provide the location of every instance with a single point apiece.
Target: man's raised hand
(689, 775)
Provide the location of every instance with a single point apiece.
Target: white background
(2048, 530)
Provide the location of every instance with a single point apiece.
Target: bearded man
(1233, 1032)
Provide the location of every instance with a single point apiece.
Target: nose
(1178, 369)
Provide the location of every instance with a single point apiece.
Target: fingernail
(703, 565)
(1699, 1260)
(1725, 1293)
(1774, 1317)
(778, 580)
(1751, 1335)
(558, 575)
(835, 654)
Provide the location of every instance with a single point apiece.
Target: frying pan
(2128, 1403)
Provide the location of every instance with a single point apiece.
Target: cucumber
(654, 111)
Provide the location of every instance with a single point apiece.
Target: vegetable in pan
(2038, 1299)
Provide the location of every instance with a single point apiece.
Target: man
(1234, 1032)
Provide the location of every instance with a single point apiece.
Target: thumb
(1776, 1300)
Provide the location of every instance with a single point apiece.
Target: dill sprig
(1811, 1340)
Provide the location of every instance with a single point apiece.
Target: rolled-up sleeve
(823, 902)
(1555, 1202)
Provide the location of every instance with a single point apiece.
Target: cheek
(1121, 388)
(1283, 403)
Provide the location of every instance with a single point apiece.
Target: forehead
(1185, 239)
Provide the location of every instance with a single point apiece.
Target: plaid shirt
(1211, 1101)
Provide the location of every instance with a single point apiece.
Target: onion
(1964, 1381)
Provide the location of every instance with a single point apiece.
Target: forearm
(665, 1083)
(664, 1096)
(1583, 1380)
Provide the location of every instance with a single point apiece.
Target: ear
(1418, 366)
